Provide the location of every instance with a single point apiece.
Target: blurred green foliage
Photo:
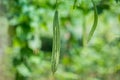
(31, 39)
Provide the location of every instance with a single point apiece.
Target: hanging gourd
(95, 22)
(56, 42)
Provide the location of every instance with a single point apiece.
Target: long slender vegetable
(95, 22)
(56, 43)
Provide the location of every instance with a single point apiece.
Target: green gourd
(95, 22)
(56, 43)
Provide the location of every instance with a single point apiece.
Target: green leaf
(23, 70)
(95, 22)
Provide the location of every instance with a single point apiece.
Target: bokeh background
(26, 40)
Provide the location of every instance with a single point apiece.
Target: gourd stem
(56, 4)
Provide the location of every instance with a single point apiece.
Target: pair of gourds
(56, 36)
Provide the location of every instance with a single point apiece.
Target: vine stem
(56, 4)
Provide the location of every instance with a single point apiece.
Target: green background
(30, 43)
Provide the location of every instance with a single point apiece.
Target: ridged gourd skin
(56, 43)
